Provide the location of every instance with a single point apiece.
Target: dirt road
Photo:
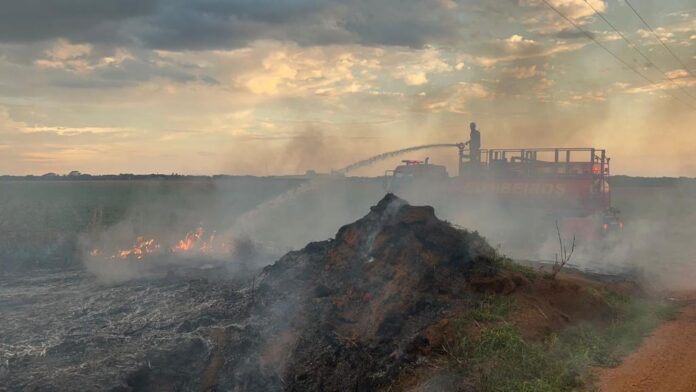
(665, 362)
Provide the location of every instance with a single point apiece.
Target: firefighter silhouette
(474, 143)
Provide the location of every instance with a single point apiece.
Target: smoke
(656, 245)
(660, 232)
(311, 212)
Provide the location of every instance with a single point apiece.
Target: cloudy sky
(270, 86)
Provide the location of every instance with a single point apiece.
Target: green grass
(635, 319)
(501, 360)
(508, 264)
(491, 308)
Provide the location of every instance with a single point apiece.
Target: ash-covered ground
(67, 331)
(342, 314)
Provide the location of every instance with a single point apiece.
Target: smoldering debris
(348, 313)
(365, 296)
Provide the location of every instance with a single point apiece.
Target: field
(42, 222)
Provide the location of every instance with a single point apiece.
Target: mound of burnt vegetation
(348, 313)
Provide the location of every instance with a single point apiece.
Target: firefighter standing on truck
(474, 143)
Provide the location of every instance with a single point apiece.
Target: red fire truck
(570, 183)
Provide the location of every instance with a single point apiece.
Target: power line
(660, 39)
(632, 45)
(622, 61)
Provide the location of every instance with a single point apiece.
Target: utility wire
(659, 39)
(622, 61)
(635, 47)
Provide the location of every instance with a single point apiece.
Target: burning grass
(196, 242)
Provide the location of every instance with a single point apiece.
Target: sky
(269, 87)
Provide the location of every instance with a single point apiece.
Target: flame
(193, 242)
(196, 241)
(141, 248)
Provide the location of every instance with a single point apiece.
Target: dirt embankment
(666, 361)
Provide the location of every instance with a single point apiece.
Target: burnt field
(248, 304)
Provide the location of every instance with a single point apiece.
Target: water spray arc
(391, 154)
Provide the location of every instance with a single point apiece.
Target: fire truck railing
(589, 155)
(553, 162)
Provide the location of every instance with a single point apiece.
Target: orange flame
(141, 248)
(195, 241)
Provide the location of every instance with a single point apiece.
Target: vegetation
(499, 359)
(491, 308)
(564, 255)
(507, 264)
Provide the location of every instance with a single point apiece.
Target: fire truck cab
(412, 171)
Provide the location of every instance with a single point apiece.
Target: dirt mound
(348, 313)
(360, 301)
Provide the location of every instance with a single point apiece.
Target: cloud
(413, 67)
(80, 20)
(84, 66)
(678, 34)
(592, 96)
(677, 73)
(524, 72)
(77, 58)
(273, 69)
(227, 24)
(679, 78)
(454, 99)
(416, 79)
(517, 47)
(664, 34)
(542, 19)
